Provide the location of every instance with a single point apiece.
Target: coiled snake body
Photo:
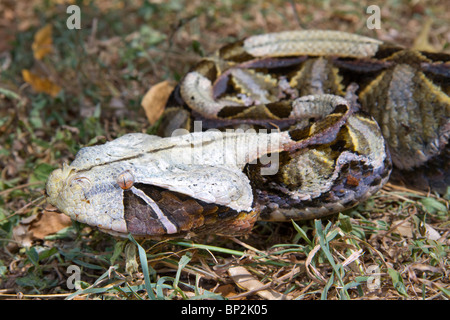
(302, 116)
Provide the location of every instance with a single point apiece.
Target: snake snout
(57, 181)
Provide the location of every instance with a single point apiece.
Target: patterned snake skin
(308, 120)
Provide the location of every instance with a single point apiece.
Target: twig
(294, 10)
(23, 208)
(22, 186)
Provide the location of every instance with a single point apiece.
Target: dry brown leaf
(49, 223)
(227, 290)
(405, 229)
(37, 226)
(246, 281)
(420, 267)
(155, 100)
(40, 84)
(431, 233)
(314, 274)
(21, 236)
(42, 44)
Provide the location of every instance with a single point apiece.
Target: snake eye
(125, 180)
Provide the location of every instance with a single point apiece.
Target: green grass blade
(184, 260)
(323, 241)
(302, 233)
(92, 288)
(144, 265)
(327, 287)
(208, 247)
(397, 281)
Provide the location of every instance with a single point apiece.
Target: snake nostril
(83, 182)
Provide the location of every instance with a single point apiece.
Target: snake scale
(279, 126)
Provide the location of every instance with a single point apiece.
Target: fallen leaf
(246, 281)
(38, 226)
(43, 43)
(405, 229)
(155, 100)
(431, 233)
(48, 223)
(412, 268)
(22, 236)
(227, 290)
(40, 84)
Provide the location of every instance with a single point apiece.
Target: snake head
(77, 193)
(140, 184)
